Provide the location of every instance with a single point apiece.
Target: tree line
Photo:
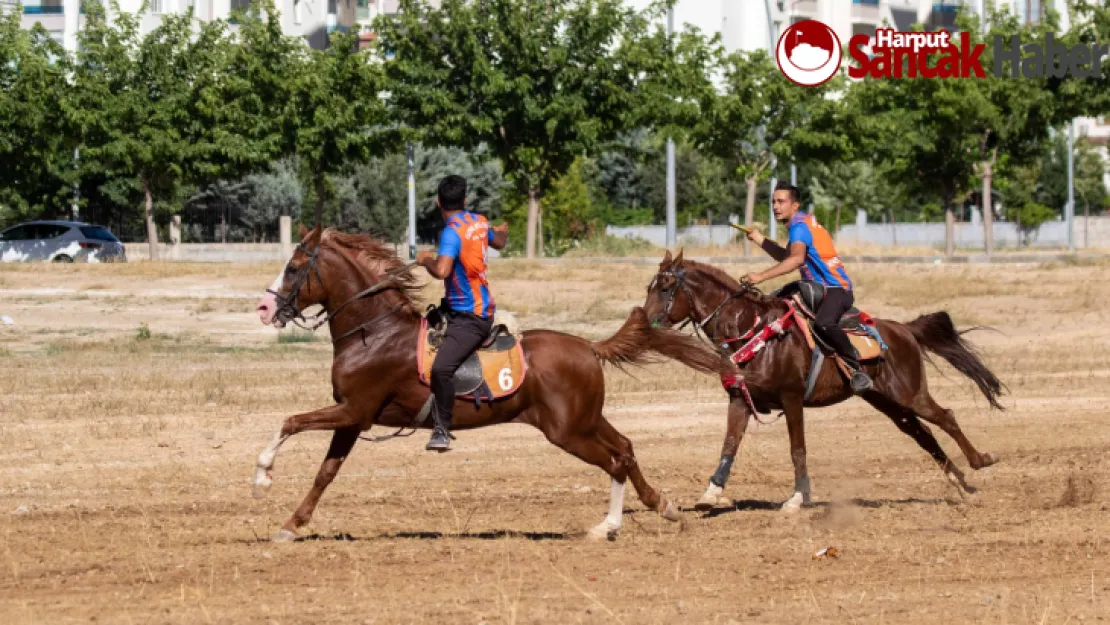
(555, 110)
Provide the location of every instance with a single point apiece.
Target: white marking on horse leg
(794, 503)
(284, 536)
(263, 479)
(712, 498)
(612, 523)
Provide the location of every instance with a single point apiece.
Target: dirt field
(134, 400)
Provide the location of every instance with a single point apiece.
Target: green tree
(761, 116)
(132, 101)
(36, 147)
(538, 81)
(336, 116)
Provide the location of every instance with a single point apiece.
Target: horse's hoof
(262, 486)
(986, 460)
(671, 513)
(603, 531)
(284, 536)
(712, 498)
(793, 504)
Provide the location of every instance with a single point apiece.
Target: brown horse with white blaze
(368, 294)
(723, 308)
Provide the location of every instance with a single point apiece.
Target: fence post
(175, 237)
(285, 226)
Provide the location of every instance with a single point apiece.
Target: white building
(744, 25)
(311, 19)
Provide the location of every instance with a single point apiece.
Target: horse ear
(301, 231)
(667, 260)
(678, 259)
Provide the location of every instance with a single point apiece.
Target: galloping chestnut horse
(776, 378)
(372, 314)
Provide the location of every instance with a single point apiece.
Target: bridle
(671, 295)
(287, 310)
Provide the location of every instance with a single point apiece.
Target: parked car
(60, 242)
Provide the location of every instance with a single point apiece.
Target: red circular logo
(808, 53)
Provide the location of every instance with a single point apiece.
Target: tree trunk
(151, 229)
(223, 224)
(1086, 221)
(533, 216)
(320, 201)
(749, 212)
(836, 226)
(893, 228)
(987, 208)
(949, 228)
(539, 229)
(709, 223)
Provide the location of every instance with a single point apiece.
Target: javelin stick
(743, 229)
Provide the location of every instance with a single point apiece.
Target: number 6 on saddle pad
(496, 370)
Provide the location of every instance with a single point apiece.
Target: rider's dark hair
(452, 193)
(795, 196)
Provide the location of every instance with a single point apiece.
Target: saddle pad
(868, 347)
(864, 341)
(503, 371)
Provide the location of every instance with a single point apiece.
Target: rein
(288, 304)
(757, 340)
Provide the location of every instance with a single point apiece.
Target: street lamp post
(672, 231)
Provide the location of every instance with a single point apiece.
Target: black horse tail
(936, 332)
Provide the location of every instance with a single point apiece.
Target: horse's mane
(376, 256)
(730, 284)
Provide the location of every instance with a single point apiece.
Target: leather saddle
(809, 295)
(858, 325)
(496, 369)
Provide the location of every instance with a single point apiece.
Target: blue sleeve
(492, 235)
(449, 243)
(799, 233)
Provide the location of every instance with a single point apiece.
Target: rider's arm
(439, 267)
(796, 258)
(773, 249)
(449, 247)
(499, 236)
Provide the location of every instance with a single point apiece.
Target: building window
(156, 6)
(298, 11)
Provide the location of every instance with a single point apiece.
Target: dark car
(60, 242)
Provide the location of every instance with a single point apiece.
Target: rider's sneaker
(440, 440)
(861, 382)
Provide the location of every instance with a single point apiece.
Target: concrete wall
(1094, 233)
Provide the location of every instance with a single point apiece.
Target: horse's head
(299, 284)
(669, 300)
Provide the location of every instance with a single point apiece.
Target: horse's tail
(637, 340)
(936, 332)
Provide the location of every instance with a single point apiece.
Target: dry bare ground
(134, 399)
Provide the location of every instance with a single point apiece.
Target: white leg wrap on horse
(262, 477)
(794, 503)
(612, 522)
(713, 497)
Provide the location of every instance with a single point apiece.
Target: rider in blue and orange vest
(461, 264)
(811, 250)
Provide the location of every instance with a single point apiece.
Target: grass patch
(143, 333)
(296, 335)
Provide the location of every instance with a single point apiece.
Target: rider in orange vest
(811, 250)
(461, 264)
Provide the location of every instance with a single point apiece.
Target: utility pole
(1069, 208)
(672, 233)
(412, 203)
